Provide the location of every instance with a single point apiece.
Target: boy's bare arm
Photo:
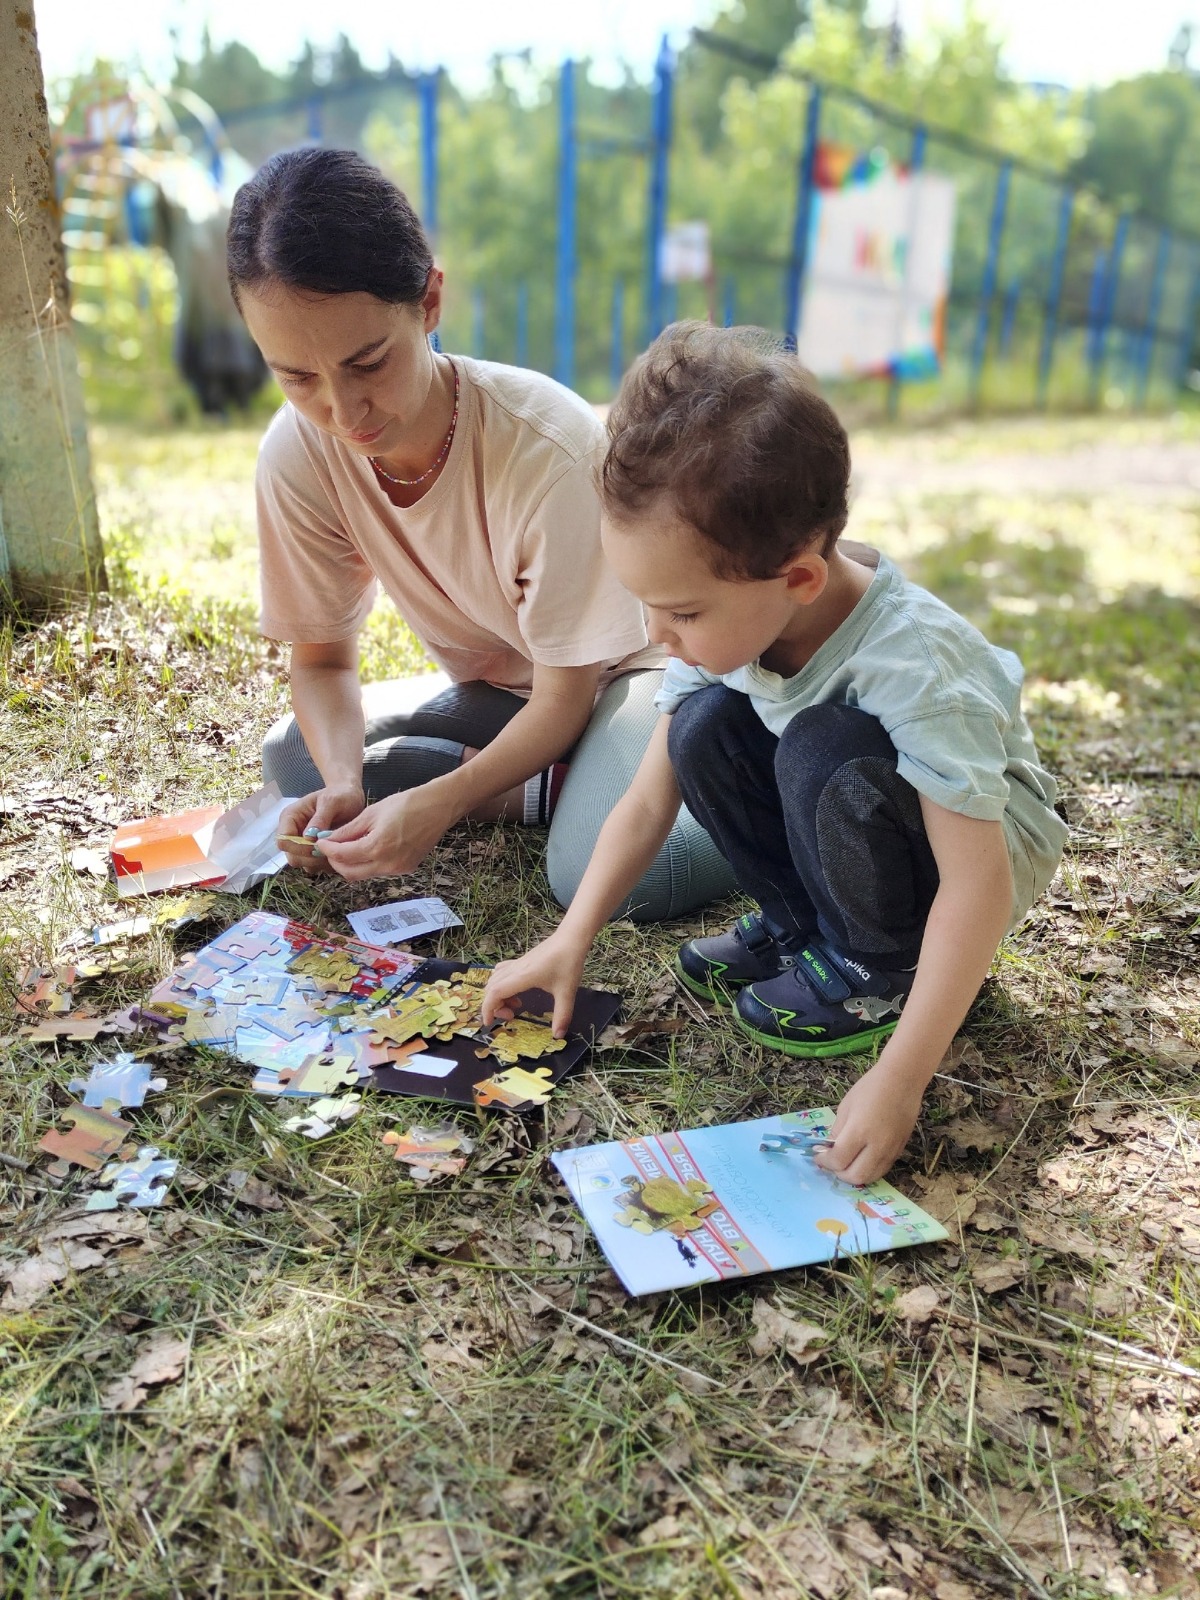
(627, 844)
(968, 919)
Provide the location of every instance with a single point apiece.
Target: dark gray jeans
(818, 825)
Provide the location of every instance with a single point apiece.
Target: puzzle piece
(431, 1152)
(134, 1183)
(323, 1116)
(207, 968)
(93, 1139)
(66, 1028)
(516, 1087)
(319, 1075)
(216, 1027)
(119, 1082)
(429, 1019)
(46, 991)
(252, 944)
(289, 1021)
(521, 1037)
(259, 988)
(332, 969)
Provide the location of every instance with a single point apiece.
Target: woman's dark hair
(329, 222)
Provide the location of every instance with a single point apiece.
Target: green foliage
(1142, 151)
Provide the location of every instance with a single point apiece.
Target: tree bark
(50, 549)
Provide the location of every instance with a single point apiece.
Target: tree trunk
(49, 539)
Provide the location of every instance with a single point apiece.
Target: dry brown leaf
(825, 1573)
(250, 1191)
(989, 1221)
(30, 1279)
(775, 1330)
(971, 1133)
(950, 1197)
(161, 1360)
(993, 1275)
(917, 1305)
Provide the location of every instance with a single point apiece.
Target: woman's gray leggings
(417, 729)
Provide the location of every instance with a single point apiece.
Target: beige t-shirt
(499, 566)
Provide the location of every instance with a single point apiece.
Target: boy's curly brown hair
(725, 426)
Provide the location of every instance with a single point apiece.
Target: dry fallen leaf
(30, 1279)
(85, 860)
(250, 1191)
(950, 1198)
(775, 1330)
(993, 1275)
(917, 1305)
(161, 1360)
(971, 1133)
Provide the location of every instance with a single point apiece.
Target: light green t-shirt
(949, 701)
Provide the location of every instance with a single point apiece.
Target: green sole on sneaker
(850, 1044)
(716, 997)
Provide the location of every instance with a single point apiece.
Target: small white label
(428, 1066)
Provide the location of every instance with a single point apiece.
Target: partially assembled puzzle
(317, 1014)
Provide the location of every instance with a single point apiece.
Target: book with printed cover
(710, 1204)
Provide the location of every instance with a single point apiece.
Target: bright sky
(1065, 41)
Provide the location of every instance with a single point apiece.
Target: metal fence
(1056, 299)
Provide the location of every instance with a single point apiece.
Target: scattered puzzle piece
(332, 969)
(207, 968)
(251, 944)
(67, 1028)
(516, 1087)
(439, 1152)
(122, 1081)
(521, 1038)
(134, 1183)
(263, 988)
(216, 1027)
(319, 1075)
(94, 1138)
(323, 1116)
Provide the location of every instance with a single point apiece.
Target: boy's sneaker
(825, 1004)
(719, 966)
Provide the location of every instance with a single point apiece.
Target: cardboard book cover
(709, 1204)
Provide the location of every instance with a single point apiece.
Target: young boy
(855, 749)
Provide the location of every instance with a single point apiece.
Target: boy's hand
(873, 1124)
(555, 965)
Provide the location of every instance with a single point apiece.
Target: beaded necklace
(411, 483)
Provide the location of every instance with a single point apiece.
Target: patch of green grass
(397, 1391)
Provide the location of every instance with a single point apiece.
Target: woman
(464, 489)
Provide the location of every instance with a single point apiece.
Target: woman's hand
(555, 965)
(391, 837)
(327, 808)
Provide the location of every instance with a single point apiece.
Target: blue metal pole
(1187, 329)
(616, 365)
(1058, 265)
(1149, 336)
(1009, 315)
(1108, 304)
(522, 352)
(660, 156)
(916, 160)
(990, 269)
(477, 323)
(428, 92)
(314, 119)
(1095, 300)
(729, 312)
(793, 292)
(565, 262)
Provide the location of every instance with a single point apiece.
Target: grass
(394, 1391)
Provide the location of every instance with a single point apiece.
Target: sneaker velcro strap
(861, 978)
(753, 935)
(816, 966)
